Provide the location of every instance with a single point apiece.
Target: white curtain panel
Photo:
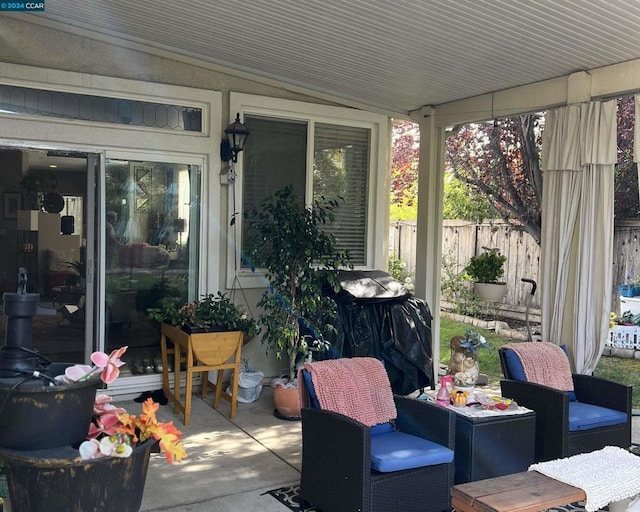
(578, 158)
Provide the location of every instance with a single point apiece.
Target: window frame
(311, 113)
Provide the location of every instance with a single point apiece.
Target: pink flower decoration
(90, 449)
(110, 364)
(77, 372)
(102, 405)
(106, 424)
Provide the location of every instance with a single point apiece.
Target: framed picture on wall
(143, 187)
(11, 203)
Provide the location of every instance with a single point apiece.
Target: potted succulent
(287, 242)
(485, 269)
(212, 313)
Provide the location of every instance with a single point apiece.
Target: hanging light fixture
(236, 137)
(67, 222)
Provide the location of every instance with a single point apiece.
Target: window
(277, 157)
(320, 155)
(99, 109)
(340, 168)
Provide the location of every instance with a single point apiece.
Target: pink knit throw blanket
(357, 387)
(544, 363)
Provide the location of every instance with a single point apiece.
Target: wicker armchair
(553, 438)
(336, 462)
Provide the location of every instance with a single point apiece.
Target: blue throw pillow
(311, 390)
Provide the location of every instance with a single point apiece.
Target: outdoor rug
(288, 496)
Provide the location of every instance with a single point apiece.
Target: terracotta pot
(66, 483)
(287, 402)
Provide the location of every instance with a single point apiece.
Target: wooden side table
(522, 492)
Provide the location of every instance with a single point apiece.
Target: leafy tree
(626, 199)
(460, 204)
(495, 169)
(404, 171)
(500, 161)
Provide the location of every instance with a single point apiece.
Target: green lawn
(620, 370)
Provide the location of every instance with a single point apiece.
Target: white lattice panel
(625, 336)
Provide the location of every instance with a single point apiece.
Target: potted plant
(77, 280)
(112, 462)
(286, 240)
(212, 313)
(485, 269)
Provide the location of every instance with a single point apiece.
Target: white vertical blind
(341, 163)
(275, 156)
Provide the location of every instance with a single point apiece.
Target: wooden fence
(461, 240)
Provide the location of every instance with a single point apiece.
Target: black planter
(189, 329)
(38, 416)
(58, 481)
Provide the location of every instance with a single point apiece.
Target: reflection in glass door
(151, 252)
(46, 235)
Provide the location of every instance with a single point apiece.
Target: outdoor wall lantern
(236, 137)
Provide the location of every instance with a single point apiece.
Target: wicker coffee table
(522, 492)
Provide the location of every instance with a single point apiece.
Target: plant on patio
(210, 313)
(486, 267)
(103, 473)
(287, 241)
(113, 432)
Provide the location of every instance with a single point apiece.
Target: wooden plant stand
(200, 353)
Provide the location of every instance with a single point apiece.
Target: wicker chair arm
(336, 454)
(602, 392)
(427, 420)
(551, 405)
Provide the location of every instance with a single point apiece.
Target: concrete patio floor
(231, 463)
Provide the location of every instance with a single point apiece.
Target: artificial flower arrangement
(464, 358)
(474, 341)
(113, 432)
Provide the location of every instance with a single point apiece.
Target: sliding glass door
(150, 251)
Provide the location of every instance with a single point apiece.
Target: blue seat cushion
(583, 416)
(517, 371)
(395, 451)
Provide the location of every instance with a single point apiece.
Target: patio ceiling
(393, 57)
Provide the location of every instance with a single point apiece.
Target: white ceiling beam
(609, 81)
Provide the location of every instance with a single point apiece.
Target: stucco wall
(34, 45)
